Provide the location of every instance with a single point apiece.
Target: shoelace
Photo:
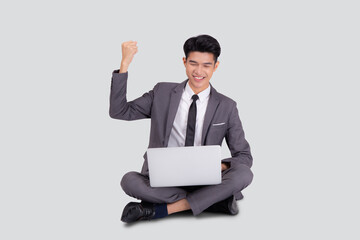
(147, 212)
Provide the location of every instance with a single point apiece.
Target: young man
(171, 109)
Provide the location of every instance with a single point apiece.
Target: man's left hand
(224, 166)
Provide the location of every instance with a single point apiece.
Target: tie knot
(195, 97)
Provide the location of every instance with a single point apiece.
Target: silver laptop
(184, 166)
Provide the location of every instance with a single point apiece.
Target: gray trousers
(234, 179)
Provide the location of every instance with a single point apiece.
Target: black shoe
(138, 211)
(228, 206)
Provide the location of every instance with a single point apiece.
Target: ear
(184, 60)
(216, 65)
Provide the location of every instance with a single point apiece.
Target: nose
(198, 70)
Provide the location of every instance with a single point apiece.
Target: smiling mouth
(198, 78)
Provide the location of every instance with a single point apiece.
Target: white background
(292, 67)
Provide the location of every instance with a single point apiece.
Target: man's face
(200, 67)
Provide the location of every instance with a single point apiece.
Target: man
(168, 105)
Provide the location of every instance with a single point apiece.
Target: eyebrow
(207, 63)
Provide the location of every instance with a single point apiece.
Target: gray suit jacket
(161, 104)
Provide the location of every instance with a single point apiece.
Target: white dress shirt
(178, 131)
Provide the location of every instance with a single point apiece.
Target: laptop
(184, 166)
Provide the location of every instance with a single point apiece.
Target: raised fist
(128, 51)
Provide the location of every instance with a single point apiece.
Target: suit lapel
(173, 106)
(210, 111)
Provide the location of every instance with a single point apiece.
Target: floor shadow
(182, 215)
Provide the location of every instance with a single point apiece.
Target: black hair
(202, 43)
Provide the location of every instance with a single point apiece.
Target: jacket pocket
(218, 124)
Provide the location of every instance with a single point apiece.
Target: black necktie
(190, 130)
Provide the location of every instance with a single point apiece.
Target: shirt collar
(203, 95)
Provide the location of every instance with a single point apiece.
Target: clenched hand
(129, 49)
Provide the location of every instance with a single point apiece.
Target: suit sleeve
(120, 108)
(235, 139)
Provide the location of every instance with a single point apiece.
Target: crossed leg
(234, 179)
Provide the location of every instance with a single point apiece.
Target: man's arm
(235, 139)
(120, 108)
